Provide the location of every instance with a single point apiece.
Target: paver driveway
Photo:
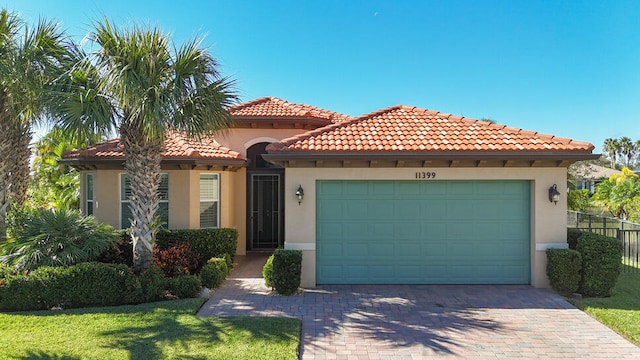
(423, 321)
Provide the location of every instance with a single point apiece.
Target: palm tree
(612, 147)
(627, 148)
(152, 87)
(30, 59)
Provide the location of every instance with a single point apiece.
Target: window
(209, 201)
(125, 193)
(89, 195)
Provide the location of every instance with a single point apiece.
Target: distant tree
(488, 120)
(612, 147)
(628, 150)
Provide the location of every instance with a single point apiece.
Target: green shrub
(214, 272)
(267, 272)
(227, 258)
(185, 286)
(572, 237)
(84, 284)
(56, 238)
(563, 270)
(5, 270)
(578, 200)
(601, 263)
(152, 285)
(207, 242)
(287, 266)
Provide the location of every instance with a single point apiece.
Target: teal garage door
(423, 232)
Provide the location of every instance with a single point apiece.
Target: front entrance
(265, 215)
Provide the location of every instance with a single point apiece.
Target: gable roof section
(269, 110)
(402, 130)
(178, 148)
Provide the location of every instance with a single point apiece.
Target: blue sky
(567, 68)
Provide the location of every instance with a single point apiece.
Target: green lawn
(621, 311)
(161, 330)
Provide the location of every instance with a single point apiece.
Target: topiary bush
(177, 260)
(56, 238)
(267, 272)
(287, 266)
(184, 287)
(601, 263)
(563, 270)
(572, 237)
(214, 272)
(153, 285)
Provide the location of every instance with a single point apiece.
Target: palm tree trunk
(143, 169)
(5, 161)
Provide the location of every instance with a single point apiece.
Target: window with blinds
(125, 193)
(88, 210)
(209, 201)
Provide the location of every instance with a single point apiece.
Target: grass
(621, 311)
(161, 330)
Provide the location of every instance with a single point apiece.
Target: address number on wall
(425, 175)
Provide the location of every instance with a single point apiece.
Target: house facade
(401, 195)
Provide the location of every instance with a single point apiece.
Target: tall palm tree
(152, 87)
(627, 148)
(612, 147)
(30, 60)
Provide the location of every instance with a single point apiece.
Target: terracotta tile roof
(272, 107)
(410, 129)
(177, 146)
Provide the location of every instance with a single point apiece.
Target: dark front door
(265, 211)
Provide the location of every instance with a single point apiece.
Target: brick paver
(423, 321)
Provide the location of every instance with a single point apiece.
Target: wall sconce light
(300, 194)
(554, 194)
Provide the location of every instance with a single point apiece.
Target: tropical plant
(51, 237)
(153, 87)
(54, 185)
(31, 58)
(612, 147)
(619, 193)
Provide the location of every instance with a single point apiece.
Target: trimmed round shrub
(601, 263)
(267, 272)
(213, 273)
(563, 270)
(287, 266)
(184, 287)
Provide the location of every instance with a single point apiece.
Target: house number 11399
(425, 175)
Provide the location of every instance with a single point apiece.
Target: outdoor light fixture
(554, 194)
(300, 194)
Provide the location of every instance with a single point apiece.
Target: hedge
(80, 285)
(208, 243)
(572, 237)
(601, 263)
(287, 266)
(563, 270)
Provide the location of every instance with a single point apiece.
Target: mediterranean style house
(402, 195)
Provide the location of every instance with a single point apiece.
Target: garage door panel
(416, 232)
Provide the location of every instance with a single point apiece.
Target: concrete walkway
(423, 321)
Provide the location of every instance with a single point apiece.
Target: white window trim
(88, 200)
(126, 201)
(217, 201)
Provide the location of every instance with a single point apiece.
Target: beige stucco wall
(241, 139)
(548, 221)
(184, 199)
